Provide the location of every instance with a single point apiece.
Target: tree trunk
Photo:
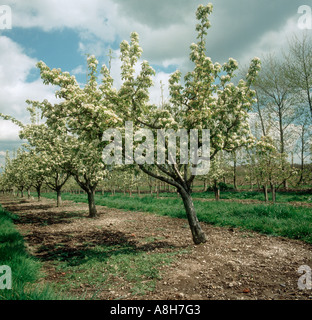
(265, 190)
(91, 202)
(302, 163)
(58, 198)
(205, 185)
(216, 190)
(197, 232)
(217, 194)
(260, 114)
(273, 190)
(285, 184)
(235, 171)
(38, 189)
(282, 138)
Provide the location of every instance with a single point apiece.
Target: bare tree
(303, 145)
(273, 89)
(298, 68)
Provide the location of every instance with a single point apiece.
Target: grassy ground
(110, 267)
(281, 197)
(278, 220)
(26, 271)
(80, 260)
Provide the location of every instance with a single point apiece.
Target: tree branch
(161, 178)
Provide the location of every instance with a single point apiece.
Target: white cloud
(273, 41)
(170, 46)
(167, 28)
(76, 14)
(14, 64)
(79, 70)
(15, 67)
(100, 23)
(8, 132)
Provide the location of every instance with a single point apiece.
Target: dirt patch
(232, 265)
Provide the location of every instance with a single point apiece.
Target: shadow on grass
(77, 248)
(48, 218)
(18, 207)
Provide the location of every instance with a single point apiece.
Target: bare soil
(232, 265)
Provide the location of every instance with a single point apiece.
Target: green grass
(126, 267)
(26, 271)
(277, 220)
(281, 197)
(123, 268)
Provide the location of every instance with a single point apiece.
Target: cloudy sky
(61, 33)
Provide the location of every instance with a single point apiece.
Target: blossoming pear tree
(25, 170)
(37, 171)
(7, 182)
(53, 153)
(206, 99)
(50, 153)
(218, 169)
(272, 166)
(18, 171)
(80, 120)
(3, 187)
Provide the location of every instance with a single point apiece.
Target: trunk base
(199, 238)
(198, 234)
(92, 207)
